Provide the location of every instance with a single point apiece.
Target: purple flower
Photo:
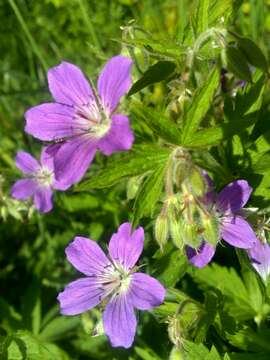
(113, 280)
(81, 120)
(234, 229)
(259, 256)
(39, 181)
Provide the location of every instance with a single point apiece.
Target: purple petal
(26, 163)
(202, 256)
(120, 136)
(79, 296)
(259, 256)
(145, 292)
(43, 199)
(52, 121)
(23, 189)
(119, 321)
(126, 246)
(234, 196)
(237, 232)
(68, 85)
(47, 160)
(114, 81)
(86, 256)
(73, 159)
(210, 196)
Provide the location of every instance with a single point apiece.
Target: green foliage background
(226, 306)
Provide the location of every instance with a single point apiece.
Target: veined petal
(43, 199)
(52, 121)
(202, 256)
(145, 292)
(114, 81)
(46, 158)
(79, 296)
(68, 85)
(73, 159)
(119, 321)
(234, 196)
(119, 138)
(26, 163)
(23, 189)
(126, 246)
(259, 256)
(86, 256)
(237, 232)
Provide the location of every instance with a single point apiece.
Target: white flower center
(92, 120)
(115, 279)
(44, 176)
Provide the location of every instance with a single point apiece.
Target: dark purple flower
(111, 279)
(39, 180)
(81, 120)
(234, 229)
(259, 256)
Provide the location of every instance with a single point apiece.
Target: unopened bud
(174, 330)
(175, 232)
(133, 186)
(197, 183)
(210, 229)
(98, 330)
(161, 229)
(191, 234)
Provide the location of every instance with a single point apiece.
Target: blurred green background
(35, 35)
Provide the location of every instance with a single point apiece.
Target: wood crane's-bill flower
(82, 120)
(112, 280)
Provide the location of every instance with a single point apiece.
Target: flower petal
(114, 81)
(237, 232)
(259, 256)
(47, 160)
(126, 246)
(26, 163)
(119, 321)
(73, 159)
(79, 296)
(43, 199)
(202, 256)
(68, 85)
(52, 121)
(86, 256)
(23, 189)
(234, 196)
(119, 138)
(145, 291)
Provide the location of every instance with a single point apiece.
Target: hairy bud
(161, 229)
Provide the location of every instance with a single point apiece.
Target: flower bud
(210, 229)
(176, 354)
(197, 183)
(191, 234)
(174, 330)
(176, 233)
(161, 229)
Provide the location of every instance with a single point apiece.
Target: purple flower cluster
(79, 123)
(234, 229)
(112, 280)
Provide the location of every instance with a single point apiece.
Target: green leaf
(165, 269)
(156, 73)
(59, 327)
(22, 345)
(248, 340)
(214, 135)
(138, 161)
(149, 194)
(238, 302)
(31, 308)
(200, 105)
(262, 165)
(202, 16)
(253, 53)
(237, 63)
(146, 354)
(162, 126)
(79, 202)
(199, 351)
